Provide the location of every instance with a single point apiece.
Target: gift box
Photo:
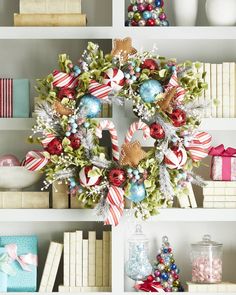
(22, 251)
(3, 274)
(14, 98)
(223, 165)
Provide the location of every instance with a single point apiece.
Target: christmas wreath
(165, 98)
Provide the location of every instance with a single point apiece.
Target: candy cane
(35, 161)
(63, 80)
(99, 90)
(180, 92)
(106, 124)
(139, 125)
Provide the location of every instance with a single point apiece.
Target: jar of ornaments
(206, 257)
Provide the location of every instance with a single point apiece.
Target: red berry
(74, 141)
(156, 131)
(150, 278)
(55, 147)
(161, 260)
(117, 177)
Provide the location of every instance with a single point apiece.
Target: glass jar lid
(138, 235)
(207, 242)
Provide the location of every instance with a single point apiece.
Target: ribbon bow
(101, 91)
(149, 285)
(23, 260)
(48, 138)
(35, 160)
(199, 146)
(5, 265)
(115, 200)
(180, 91)
(222, 152)
(64, 80)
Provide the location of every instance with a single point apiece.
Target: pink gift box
(223, 165)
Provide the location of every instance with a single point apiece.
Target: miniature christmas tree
(166, 271)
(146, 13)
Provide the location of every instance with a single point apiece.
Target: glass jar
(206, 257)
(138, 266)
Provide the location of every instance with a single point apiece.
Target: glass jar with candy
(206, 257)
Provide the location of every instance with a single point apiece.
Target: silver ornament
(135, 8)
(130, 15)
(142, 23)
(149, 1)
(140, 1)
(161, 267)
(158, 22)
(133, 1)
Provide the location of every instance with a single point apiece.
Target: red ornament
(130, 8)
(74, 141)
(149, 64)
(66, 92)
(134, 23)
(55, 147)
(117, 177)
(178, 117)
(156, 131)
(150, 22)
(149, 7)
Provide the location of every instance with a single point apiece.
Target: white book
(54, 269)
(226, 93)
(213, 91)
(208, 90)
(63, 289)
(92, 258)
(50, 6)
(89, 289)
(110, 260)
(85, 263)
(105, 258)
(79, 258)
(66, 277)
(47, 267)
(72, 259)
(232, 90)
(219, 90)
(99, 268)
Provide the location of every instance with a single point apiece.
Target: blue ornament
(164, 276)
(165, 23)
(68, 133)
(159, 3)
(137, 192)
(149, 90)
(173, 266)
(91, 105)
(165, 250)
(147, 15)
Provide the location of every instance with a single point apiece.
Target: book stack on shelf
(87, 262)
(44, 13)
(211, 288)
(220, 194)
(221, 80)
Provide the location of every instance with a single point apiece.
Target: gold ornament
(123, 48)
(131, 154)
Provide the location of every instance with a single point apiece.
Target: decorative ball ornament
(151, 22)
(91, 105)
(114, 78)
(9, 161)
(137, 192)
(157, 131)
(175, 158)
(117, 177)
(86, 180)
(149, 90)
(55, 147)
(149, 64)
(74, 141)
(178, 117)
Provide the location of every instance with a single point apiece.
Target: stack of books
(47, 13)
(221, 92)
(219, 194)
(87, 263)
(211, 288)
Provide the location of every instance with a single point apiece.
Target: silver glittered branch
(166, 187)
(196, 179)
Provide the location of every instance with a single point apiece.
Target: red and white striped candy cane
(139, 125)
(180, 91)
(63, 80)
(109, 125)
(99, 90)
(35, 161)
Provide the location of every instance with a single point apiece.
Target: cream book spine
(200, 71)
(66, 277)
(92, 258)
(105, 258)
(85, 263)
(219, 90)
(47, 267)
(63, 289)
(72, 259)
(79, 259)
(226, 93)
(50, 6)
(208, 90)
(89, 289)
(99, 269)
(54, 269)
(232, 90)
(110, 259)
(213, 91)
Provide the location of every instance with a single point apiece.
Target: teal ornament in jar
(137, 192)
(149, 90)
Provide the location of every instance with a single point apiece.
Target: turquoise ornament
(149, 90)
(137, 192)
(91, 105)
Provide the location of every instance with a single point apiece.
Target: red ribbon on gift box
(149, 285)
(226, 155)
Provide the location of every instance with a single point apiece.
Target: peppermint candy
(114, 78)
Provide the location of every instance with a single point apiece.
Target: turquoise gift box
(22, 280)
(14, 98)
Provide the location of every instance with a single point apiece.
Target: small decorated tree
(146, 13)
(166, 271)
